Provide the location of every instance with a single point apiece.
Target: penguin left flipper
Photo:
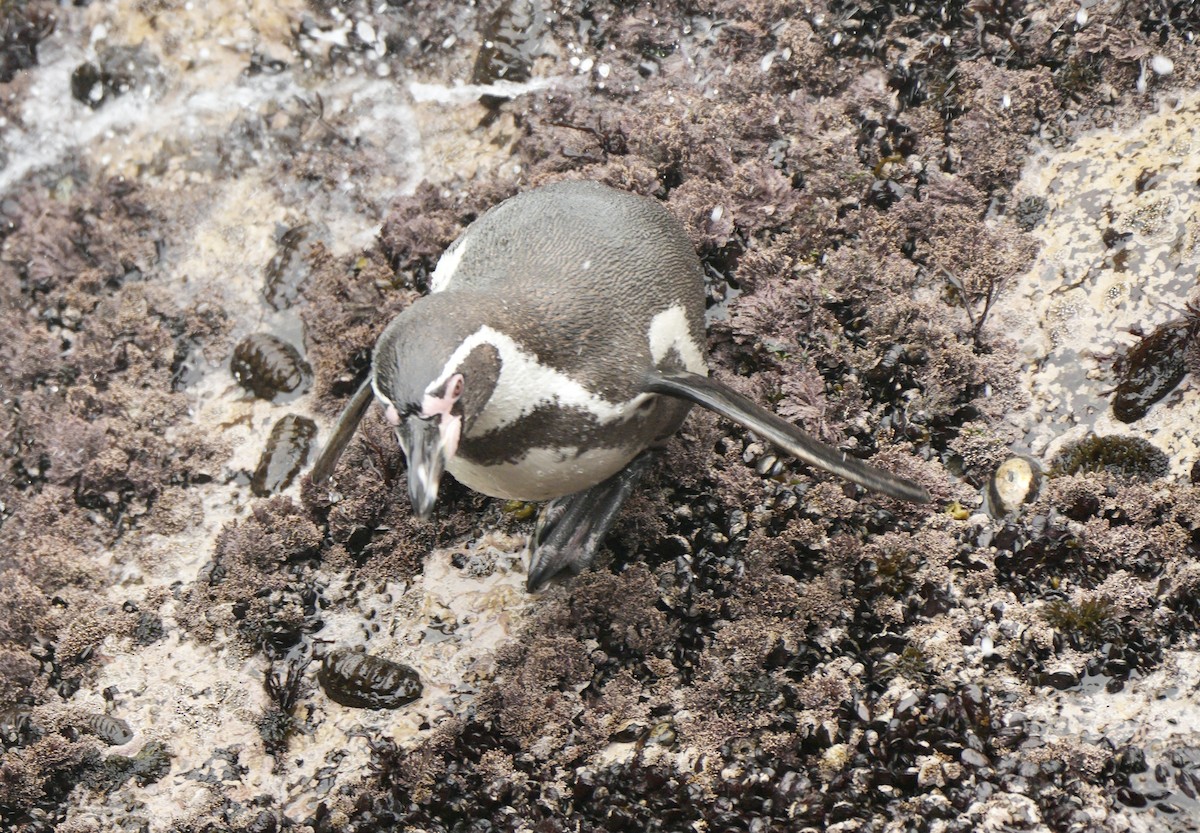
(732, 405)
(343, 431)
(570, 529)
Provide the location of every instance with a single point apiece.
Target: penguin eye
(455, 389)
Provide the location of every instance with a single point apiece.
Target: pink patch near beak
(450, 425)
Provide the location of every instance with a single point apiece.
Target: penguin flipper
(570, 529)
(342, 432)
(732, 405)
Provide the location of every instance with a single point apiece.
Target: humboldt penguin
(561, 344)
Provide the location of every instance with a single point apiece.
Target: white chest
(543, 473)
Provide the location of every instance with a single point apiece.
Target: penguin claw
(551, 559)
(548, 520)
(570, 529)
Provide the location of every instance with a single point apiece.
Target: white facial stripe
(447, 265)
(669, 329)
(525, 383)
(451, 431)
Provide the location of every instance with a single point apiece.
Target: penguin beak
(428, 443)
(422, 442)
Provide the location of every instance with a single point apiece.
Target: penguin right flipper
(342, 432)
(732, 405)
(570, 529)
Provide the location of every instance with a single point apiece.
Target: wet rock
(1172, 786)
(523, 752)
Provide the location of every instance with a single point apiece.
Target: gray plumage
(580, 261)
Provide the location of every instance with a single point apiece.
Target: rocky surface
(930, 232)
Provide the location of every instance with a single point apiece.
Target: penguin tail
(730, 404)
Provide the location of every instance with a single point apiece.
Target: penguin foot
(570, 529)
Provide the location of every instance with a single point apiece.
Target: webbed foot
(571, 529)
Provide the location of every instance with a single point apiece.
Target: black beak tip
(423, 499)
(535, 581)
(423, 509)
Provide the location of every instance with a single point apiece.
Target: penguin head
(433, 384)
